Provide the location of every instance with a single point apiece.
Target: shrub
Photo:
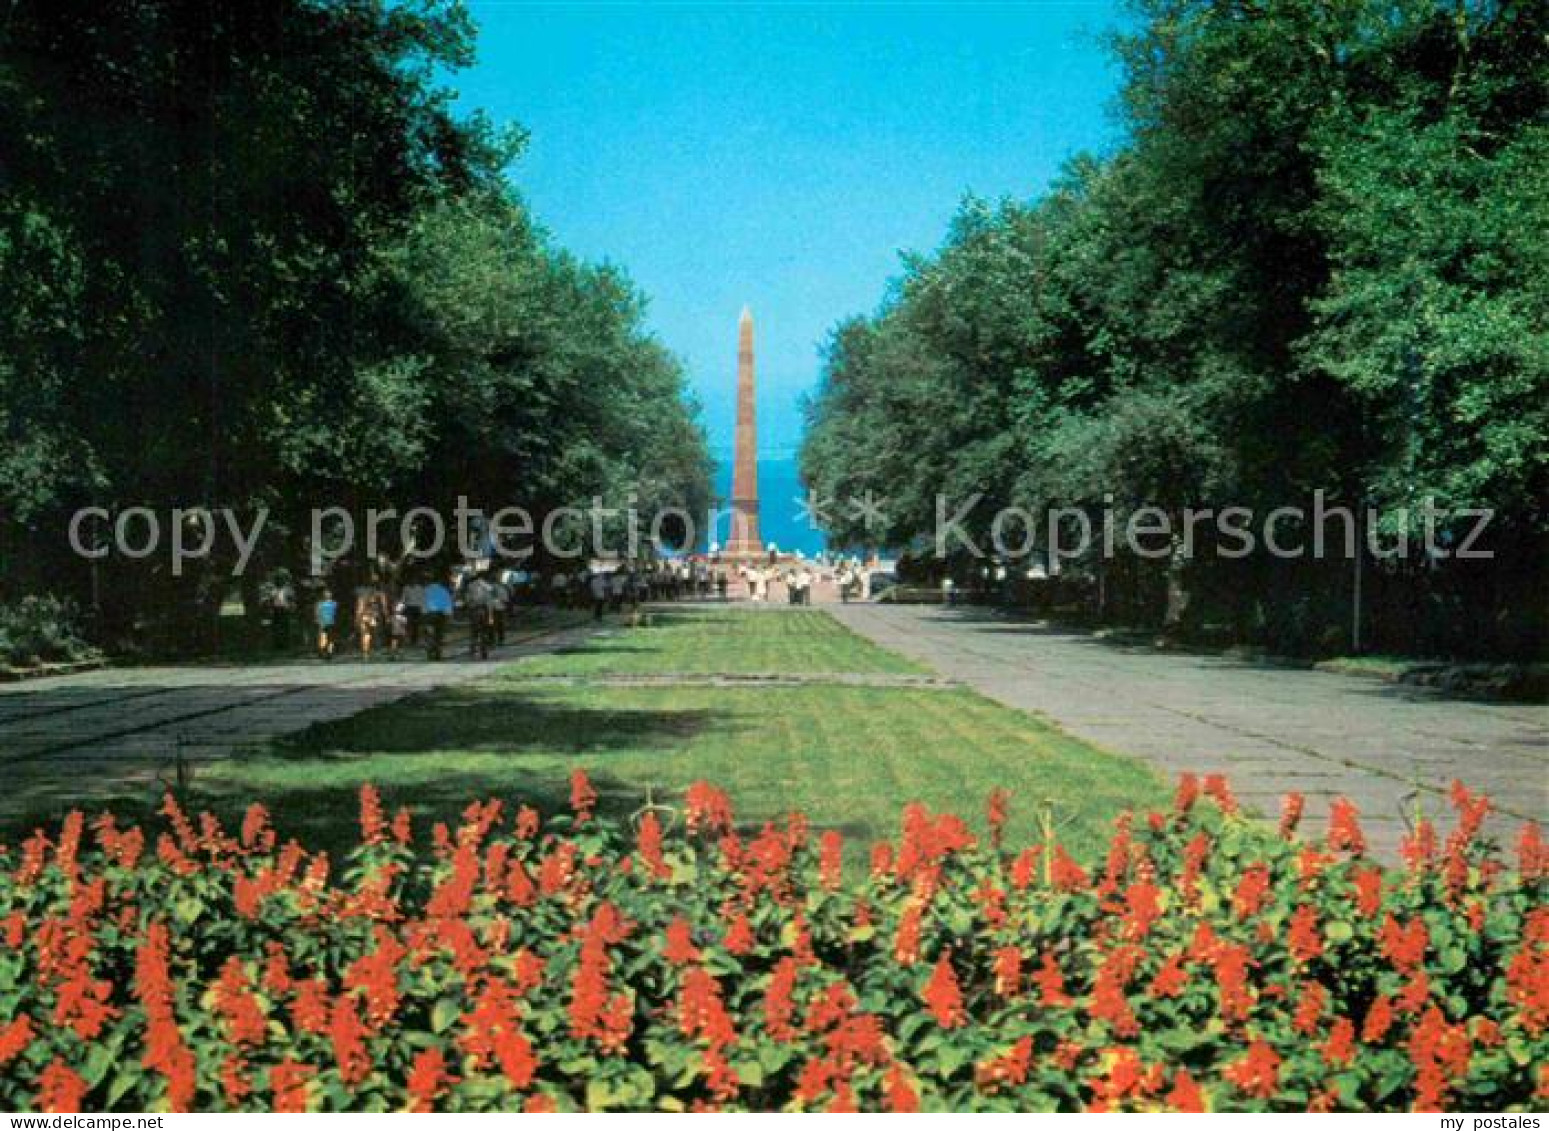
(517, 963)
(38, 630)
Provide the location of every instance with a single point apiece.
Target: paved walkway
(73, 740)
(1271, 729)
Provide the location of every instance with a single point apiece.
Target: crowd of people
(380, 617)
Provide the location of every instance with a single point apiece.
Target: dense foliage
(40, 630)
(518, 962)
(1318, 262)
(253, 259)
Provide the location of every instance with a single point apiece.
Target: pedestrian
(413, 601)
(398, 631)
(721, 583)
(438, 611)
(499, 608)
(597, 585)
(370, 618)
(478, 599)
(326, 616)
(946, 590)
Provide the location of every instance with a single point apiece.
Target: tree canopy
(253, 258)
(1316, 263)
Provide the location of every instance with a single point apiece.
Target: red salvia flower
(1143, 907)
(1258, 1073)
(583, 798)
(708, 809)
(881, 860)
(996, 813)
(34, 857)
(165, 1051)
(1008, 971)
(1065, 872)
(739, 935)
(309, 1007)
(831, 860)
(347, 1034)
(373, 826)
(942, 996)
(1303, 938)
(701, 1012)
(680, 949)
(244, 1016)
(1187, 794)
(1171, 979)
(1291, 814)
(1414, 995)
(1109, 1002)
(1339, 1049)
(15, 1039)
(1024, 869)
(428, 1079)
(648, 841)
(1009, 1069)
(235, 1083)
(1051, 983)
(1252, 891)
(1344, 828)
(1310, 864)
(375, 976)
(1185, 1095)
(257, 832)
(1231, 964)
(902, 1098)
(1220, 792)
(779, 1008)
(1309, 1008)
(60, 1089)
(528, 821)
(1404, 946)
(1379, 1019)
(906, 943)
(1195, 854)
(1368, 892)
(403, 828)
(1419, 848)
(288, 1082)
(1527, 979)
(1532, 853)
(520, 889)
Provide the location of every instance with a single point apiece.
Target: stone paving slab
(1271, 729)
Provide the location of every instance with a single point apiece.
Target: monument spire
(744, 538)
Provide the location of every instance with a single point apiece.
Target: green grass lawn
(734, 641)
(850, 757)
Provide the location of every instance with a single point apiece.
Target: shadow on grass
(436, 753)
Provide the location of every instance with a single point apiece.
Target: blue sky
(782, 154)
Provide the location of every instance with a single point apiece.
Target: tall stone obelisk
(744, 539)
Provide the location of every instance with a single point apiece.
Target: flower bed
(514, 963)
